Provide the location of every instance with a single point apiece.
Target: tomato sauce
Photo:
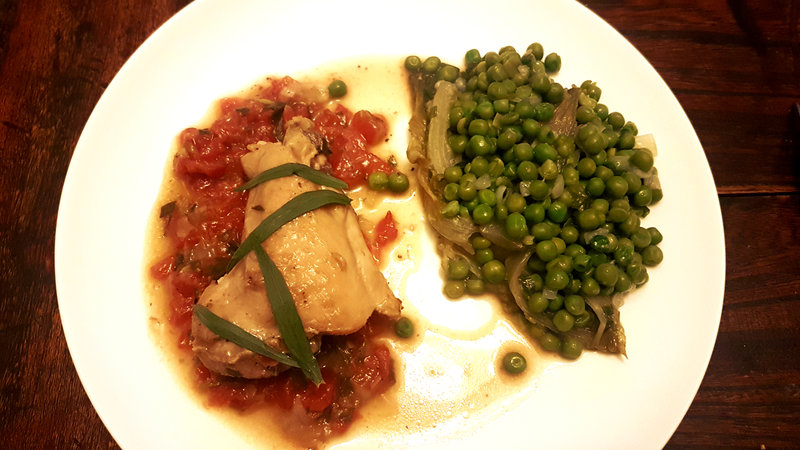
(203, 226)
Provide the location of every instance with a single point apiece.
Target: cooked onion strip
(301, 170)
(238, 336)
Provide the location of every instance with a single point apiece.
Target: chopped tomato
(385, 233)
(372, 128)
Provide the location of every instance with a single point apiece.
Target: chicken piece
(322, 255)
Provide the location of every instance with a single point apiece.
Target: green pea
(483, 214)
(569, 234)
(595, 187)
(640, 238)
(530, 128)
(515, 203)
(467, 191)
(555, 94)
(398, 182)
(655, 236)
(557, 212)
(540, 82)
(404, 328)
(485, 110)
(642, 159)
(479, 242)
(541, 231)
(337, 89)
(457, 269)
(494, 272)
(550, 342)
(643, 197)
(452, 174)
(524, 109)
(588, 219)
(574, 304)
(617, 215)
(516, 227)
(616, 186)
(626, 140)
(431, 64)
(652, 255)
(556, 303)
(543, 152)
(478, 127)
(458, 143)
(484, 255)
(527, 171)
(413, 63)
(536, 50)
(447, 72)
(623, 282)
(604, 173)
(514, 363)
(475, 286)
(543, 112)
(537, 303)
(501, 212)
(539, 189)
(546, 250)
(378, 181)
(561, 262)
(616, 120)
(586, 167)
(630, 224)
(590, 287)
(556, 279)
(606, 274)
(570, 348)
(454, 289)
(563, 321)
(552, 63)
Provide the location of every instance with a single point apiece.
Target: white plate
(214, 48)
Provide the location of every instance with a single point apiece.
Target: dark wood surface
(734, 66)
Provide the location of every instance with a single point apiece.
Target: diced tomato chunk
(371, 127)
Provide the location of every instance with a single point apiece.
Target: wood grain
(734, 66)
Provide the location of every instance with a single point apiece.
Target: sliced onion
(652, 180)
(549, 294)
(483, 182)
(558, 187)
(647, 141)
(525, 188)
(440, 154)
(500, 193)
(493, 233)
(515, 264)
(596, 303)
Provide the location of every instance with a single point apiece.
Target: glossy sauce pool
(449, 375)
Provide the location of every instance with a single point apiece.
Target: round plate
(213, 48)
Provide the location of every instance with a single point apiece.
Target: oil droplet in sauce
(449, 376)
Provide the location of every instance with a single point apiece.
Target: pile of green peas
(575, 200)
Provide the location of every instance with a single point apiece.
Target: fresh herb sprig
(287, 318)
(232, 332)
(284, 170)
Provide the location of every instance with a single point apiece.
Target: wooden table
(734, 66)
